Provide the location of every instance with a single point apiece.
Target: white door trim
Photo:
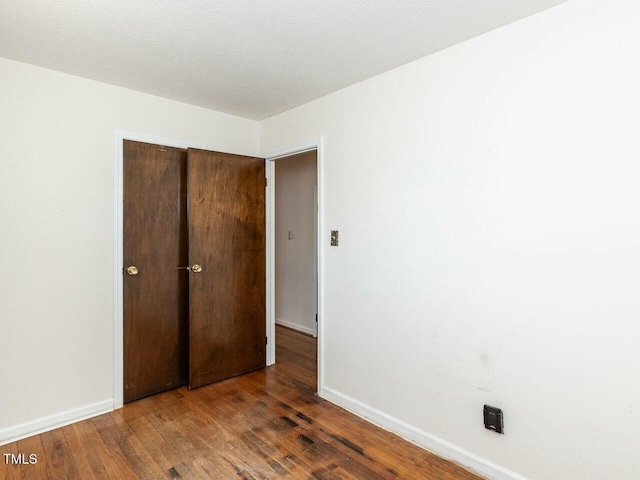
(270, 169)
(118, 246)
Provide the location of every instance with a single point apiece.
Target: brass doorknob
(196, 268)
(131, 270)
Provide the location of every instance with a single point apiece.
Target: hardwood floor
(263, 425)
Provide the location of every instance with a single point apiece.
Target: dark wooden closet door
(155, 243)
(227, 330)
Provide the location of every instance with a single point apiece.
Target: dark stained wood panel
(155, 242)
(267, 424)
(227, 330)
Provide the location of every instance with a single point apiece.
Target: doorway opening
(295, 259)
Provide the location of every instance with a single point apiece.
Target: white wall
(295, 263)
(487, 199)
(56, 247)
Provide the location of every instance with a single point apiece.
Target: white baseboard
(295, 326)
(440, 447)
(44, 424)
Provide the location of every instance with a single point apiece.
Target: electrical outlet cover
(493, 419)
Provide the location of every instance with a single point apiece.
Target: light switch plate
(334, 238)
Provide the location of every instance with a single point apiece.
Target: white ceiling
(253, 58)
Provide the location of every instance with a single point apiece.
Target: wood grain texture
(268, 424)
(155, 241)
(227, 326)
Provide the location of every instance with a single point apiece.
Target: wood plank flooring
(267, 424)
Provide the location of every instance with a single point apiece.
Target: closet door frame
(118, 242)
